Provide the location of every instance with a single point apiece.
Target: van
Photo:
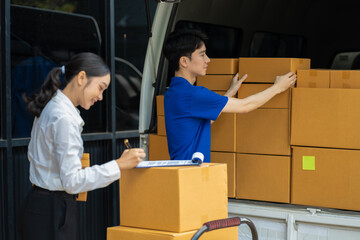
(323, 31)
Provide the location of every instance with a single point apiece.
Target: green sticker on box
(308, 162)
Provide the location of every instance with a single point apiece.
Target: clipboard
(169, 163)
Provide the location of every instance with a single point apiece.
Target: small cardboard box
(161, 129)
(263, 131)
(85, 162)
(175, 199)
(223, 66)
(325, 117)
(129, 233)
(281, 100)
(345, 79)
(326, 178)
(263, 177)
(313, 78)
(158, 147)
(230, 160)
(160, 105)
(265, 70)
(215, 82)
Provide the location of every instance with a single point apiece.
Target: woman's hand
(130, 158)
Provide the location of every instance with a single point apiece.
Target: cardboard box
(263, 131)
(326, 178)
(223, 66)
(281, 100)
(128, 233)
(263, 177)
(345, 79)
(223, 132)
(325, 117)
(313, 78)
(175, 199)
(160, 105)
(230, 160)
(85, 162)
(161, 129)
(265, 70)
(215, 82)
(158, 147)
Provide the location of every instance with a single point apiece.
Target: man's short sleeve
(206, 104)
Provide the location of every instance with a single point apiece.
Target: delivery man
(190, 109)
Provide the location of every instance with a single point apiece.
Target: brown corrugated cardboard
(345, 79)
(223, 66)
(230, 160)
(263, 131)
(85, 162)
(326, 178)
(215, 82)
(325, 117)
(161, 130)
(158, 147)
(265, 70)
(129, 233)
(175, 199)
(313, 78)
(263, 177)
(160, 105)
(281, 100)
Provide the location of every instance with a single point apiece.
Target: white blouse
(55, 151)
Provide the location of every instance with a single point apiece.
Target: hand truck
(224, 223)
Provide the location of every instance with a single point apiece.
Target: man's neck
(189, 77)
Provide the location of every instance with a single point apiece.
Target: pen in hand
(127, 144)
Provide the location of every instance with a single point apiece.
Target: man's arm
(253, 102)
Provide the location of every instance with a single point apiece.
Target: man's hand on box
(235, 85)
(285, 81)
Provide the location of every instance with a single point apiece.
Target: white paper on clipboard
(197, 159)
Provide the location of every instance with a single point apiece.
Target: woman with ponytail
(56, 148)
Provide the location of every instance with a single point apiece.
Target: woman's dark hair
(88, 62)
(182, 43)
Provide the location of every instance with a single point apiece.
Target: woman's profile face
(93, 91)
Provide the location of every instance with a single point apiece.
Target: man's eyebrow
(202, 51)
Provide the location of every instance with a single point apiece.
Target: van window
(266, 44)
(346, 61)
(131, 39)
(43, 36)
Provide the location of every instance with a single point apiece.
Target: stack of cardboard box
(158, 148)
(325, 139)
(172, 203)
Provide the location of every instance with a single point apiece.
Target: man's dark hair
(182, 43)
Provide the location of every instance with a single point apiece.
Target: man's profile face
(199, 62)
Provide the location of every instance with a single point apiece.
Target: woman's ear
(81, 78)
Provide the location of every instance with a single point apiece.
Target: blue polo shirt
(188, 113)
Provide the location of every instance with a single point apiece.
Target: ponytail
(91, 63)
(37, 102)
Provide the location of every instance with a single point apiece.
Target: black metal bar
(8, 171)
(3, 143)
(127, 134)
(148, 18)
(110, 53)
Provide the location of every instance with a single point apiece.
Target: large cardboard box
(263, 177)
(175, 199)
(325, 118)
(265, 70)
(223, 66)
(345, 79)
(223, 132)
(281, 100)
(158, 147)
(313, 78)
(161, 129)
(160, 105)
(326, 178)
(230, 160)
(129, 233)
(263, 131)
(215, 82)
